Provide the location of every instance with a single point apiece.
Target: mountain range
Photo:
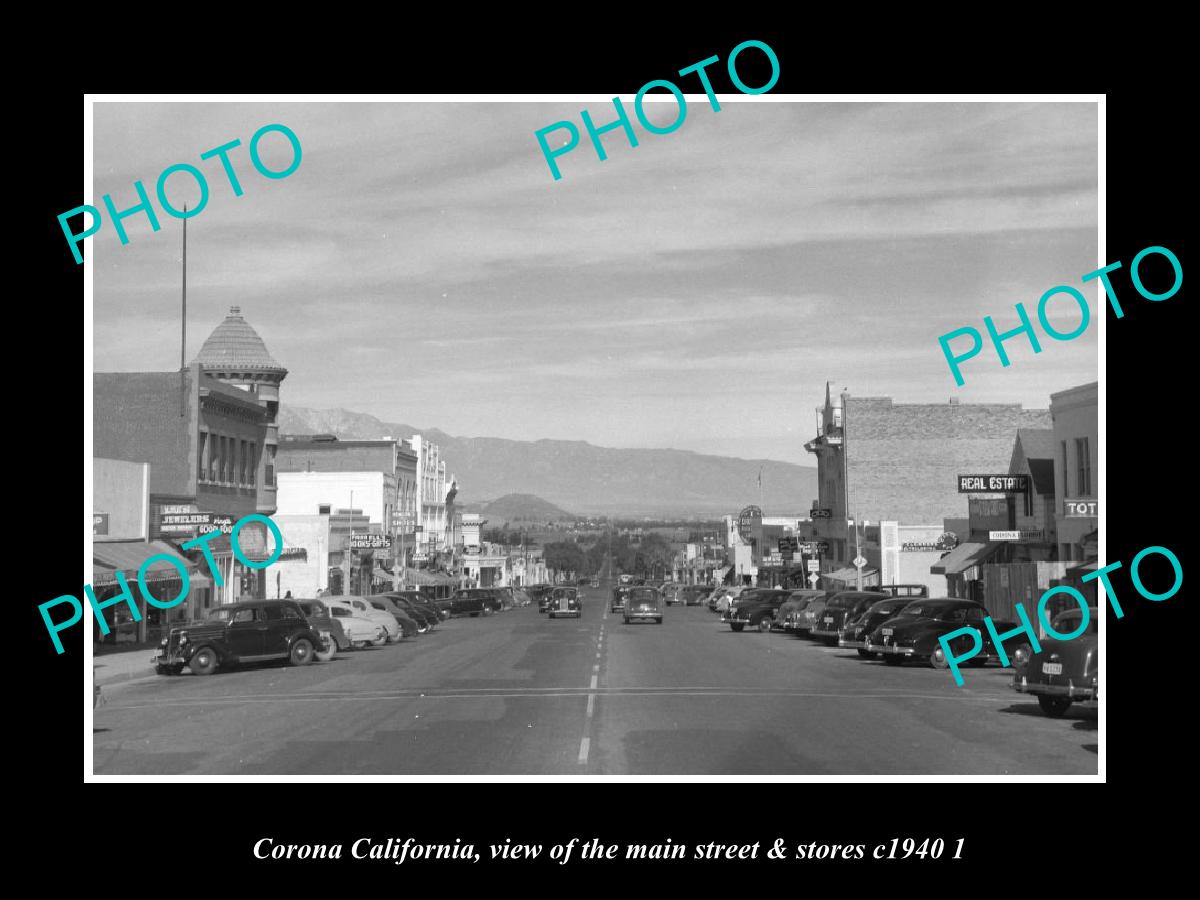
(582, 477)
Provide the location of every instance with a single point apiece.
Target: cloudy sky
(696, 291)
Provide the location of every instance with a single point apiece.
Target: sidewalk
(124, 665)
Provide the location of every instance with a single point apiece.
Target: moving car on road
(468, 602)
(841, 607)
(1065, 671)
(565, 602)
(854, 634)
(914, 632)
(617, 604)
(757, 610)
(239, 633)
(643, 603)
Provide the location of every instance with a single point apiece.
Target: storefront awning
(128, 556)
(849, 575)
(1078, 571)
(419, 577)
(963, 557)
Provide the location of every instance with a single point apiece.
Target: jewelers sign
(993, 484)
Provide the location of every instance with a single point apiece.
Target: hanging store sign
(369, 541)
(993, 484)
(820, 513)
(1081, 509)
(1014, 535)
(294, 554)
(947, 541)
(177, 522)
(223, 524)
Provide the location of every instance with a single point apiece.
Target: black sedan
(1065, 671)
(841, 607)
(854, 633)
(914, 633)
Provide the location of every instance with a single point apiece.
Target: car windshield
(569, 593)
(313, 609)
(340, 612)
(840, 602)
(1067, 622)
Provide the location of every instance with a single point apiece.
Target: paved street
(518, 693)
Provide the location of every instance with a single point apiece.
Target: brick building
(203, 440)
(881, 460)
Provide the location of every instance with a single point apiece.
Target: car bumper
(824, 632)
(851, 644)
(556, 614)
(891, 649)
(1022, 685)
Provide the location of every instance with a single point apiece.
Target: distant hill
(578, 476)
(519, 508)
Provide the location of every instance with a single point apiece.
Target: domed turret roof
(234, 344)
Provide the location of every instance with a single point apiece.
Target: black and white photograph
(520, 437)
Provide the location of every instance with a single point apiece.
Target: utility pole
(183, 327)
(857, 554)
(346, 565)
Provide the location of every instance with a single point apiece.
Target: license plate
(886, 632)
(1051, 668)
(829, 620)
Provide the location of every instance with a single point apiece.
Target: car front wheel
(301, 653)
(327, 655)
(1054, 706)
(737, 626)
(204, 661)
(764, 624)
(937, 658)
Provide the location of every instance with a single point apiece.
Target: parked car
(360, 607)
(838, 609)
(323, 622)
(409, 627)
(791, 613)
(814, 610)
(564, 601)
(854, 634)
(914, 632)
(416, 600)
(912, 591)
(1065, 672)
(719, 600)
(758, 609)
(617, 604)
(643, 603)
(359, 631)
(427, 618)
(249, 631)
(467, 602)
(505, 595)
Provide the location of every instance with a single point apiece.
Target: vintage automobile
(319, 618)
(360, 607)
(854, 634)
(671, 593)
(913, 633)
(417, 601)
(911, 591)
(564, 602)
(426, 617)
(643, 603)
(839, 608)
(468, 602)
(791, 613)
(595, 582)
(359, 631)
(249, 631)
(693, 594)
(409, 626)
(1065, 672)
(719, 600)
(545, 599)
(617, 603)
(757, 608)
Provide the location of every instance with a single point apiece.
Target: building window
(323, 509)
(1029, 500)
(1084, 463)
(253, 464)
(201, 449)
(1066, 473)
